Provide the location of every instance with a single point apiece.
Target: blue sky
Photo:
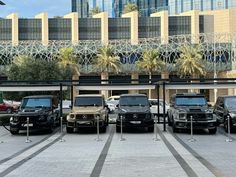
(30, 8)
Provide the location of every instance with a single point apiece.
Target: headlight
(232, 114)
(97, 116)
(182, 116)
(14, 119)
(72, 116)
(209, 116)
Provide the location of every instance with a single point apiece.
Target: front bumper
(35, 125)
(135, 123)
(182, 124)
(85, 123)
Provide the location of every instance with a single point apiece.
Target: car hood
(134, 109)
(86, 110)
(193, 108)
(32, 112)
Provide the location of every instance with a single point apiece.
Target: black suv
(135, 112)
(225, 106)
(185, 106)
(41, 111)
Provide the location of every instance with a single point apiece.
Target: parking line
(207, 164)
(100, 162)
(189, 171)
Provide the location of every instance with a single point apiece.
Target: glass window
(36, 103)
(88, 101)
(190, 101)
(134, 101)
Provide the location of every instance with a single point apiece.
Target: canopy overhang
(30, 88)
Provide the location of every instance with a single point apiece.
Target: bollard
(191, 122)
(1, 141)
(62, 140)
(155, 129)
(121, 129)
(229, 138)
(98, 133)
(27, 132)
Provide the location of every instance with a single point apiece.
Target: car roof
(188, 94)
(40, 96)
(227, 96)
(123, 95)
(91, 95)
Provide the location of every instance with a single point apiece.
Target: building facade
(180, 6)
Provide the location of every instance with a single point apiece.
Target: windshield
(134, 101)
(88, 101)
(231, 103)
(190, 101)
(36, 103)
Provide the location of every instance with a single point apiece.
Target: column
(134, 26)
(104, 27)
(164, 25)
(15, 28)
(74, 26)
(44, 20)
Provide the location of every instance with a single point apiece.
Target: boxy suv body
(185, 106)
(225, 107)
(42, 113)
(85, 111)
(134, 110)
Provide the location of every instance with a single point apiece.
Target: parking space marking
(30, 153)
(201, 166)
(189, 171)
(27, 148)
(100, 162)
(207, 164)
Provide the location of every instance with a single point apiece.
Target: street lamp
(2, 3)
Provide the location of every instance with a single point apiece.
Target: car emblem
(84, 117)
(135, 116)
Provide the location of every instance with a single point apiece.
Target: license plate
(84, 122)
(135, 122)
(25, 125)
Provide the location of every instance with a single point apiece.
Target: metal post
(229, 138)
(155, 129)
(1, 141)
(158, 103)
(71, 95)
(27, 132)
(121, 129)
(164, 105)
(98, 133)
(215, 74)
(191, 122)
(62, 140)
(61, 95)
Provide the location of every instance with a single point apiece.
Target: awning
(201, 86)
(116, 87)
(27, 88)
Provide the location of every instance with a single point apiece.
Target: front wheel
(151, 129)
(117, 129)
(14, 132)
(226, 125)
(212, 131)
(175, 130)
(69, 129)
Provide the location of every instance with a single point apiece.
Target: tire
(14, 132)
(50, 129)
(103, 129)
(212, 131)
(117, 129)
(69, 130)
(151, 129)
(226, 125)
(9, 110)
(169, 122)
(175, 130)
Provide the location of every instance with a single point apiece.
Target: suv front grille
(135, 116)
(196, 116)
(84, 116)
(23, 119)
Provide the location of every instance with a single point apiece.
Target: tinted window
(36, 103)
(134, 101)
(230, 103)
(88, 101)
(190, 101)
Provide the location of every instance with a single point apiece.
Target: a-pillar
(164, 25)
(104, 27)
(74, 26)
(194, 25)
(44, 20)
(105, 76)
(15, 28)
(134, 78)
(133, 26)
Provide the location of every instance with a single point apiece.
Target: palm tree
(67, 58)
(150, 62)
(107, 62)
(191, 62)
(95, 10)
(130, 7)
